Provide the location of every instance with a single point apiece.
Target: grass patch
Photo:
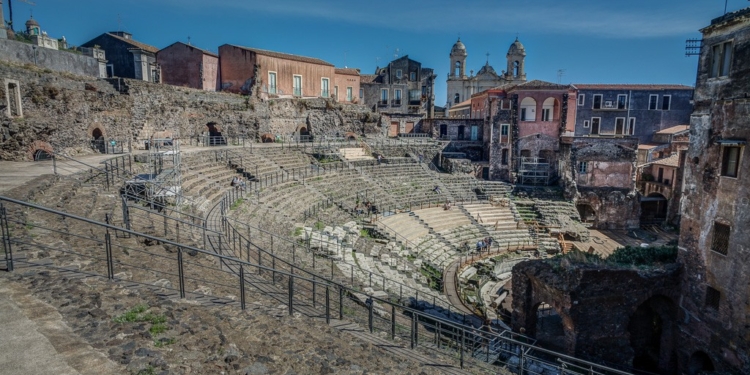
(158, 328)
(236, 204)
(319, 225)
(297, 232)
(164, 342)
(132, 315)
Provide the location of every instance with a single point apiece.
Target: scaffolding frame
(535, 171)
(162, 184)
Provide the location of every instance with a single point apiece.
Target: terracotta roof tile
(647, 146)
(464, 103)
(367, 78)
(207, 52)
(136, 44)
(538, 84)
(347, 71)
(671, 161)
(674, 129)
(629, 86)
(287, 56)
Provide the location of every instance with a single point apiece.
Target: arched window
(457, 68)
(548, 109)
(456, 98)
(528, 109)
(516, 68)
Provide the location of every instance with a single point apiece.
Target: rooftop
(207, 52)
(674, 129)
(367, 78)
(348, 71)
(282, 55)
(670, 161)
(538, 84)
(629, 86)
(136, 44)
(646, 146)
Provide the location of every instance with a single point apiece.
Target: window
(297, 85)
(504, 158)
(504, 129)
(110, 70)
(713, 297)
(528, 108)
(413, 76)
(397, 97)
(349, 94)
(583, 167)
(336, 92)
(384, 96)
(546, 114)
(597, 102)
(720, 240)
(730, 161)
(399, 74)
(721, 59)
(272, 83)
(652, 100)
(324, 87)
(595, 122)
(456, 99)
(361, 93)
(457, 68)
(581, 99)
(622, 101)
(585, 123)
(660, 175)
(415, 97)
(666, 101)
(620, 125)
(631, 126)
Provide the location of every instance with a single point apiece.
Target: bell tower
(516, 56)
(458, 60)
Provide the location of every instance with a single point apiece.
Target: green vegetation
(141, 314)
(163, 343)
(150, 370)
(236, 204)
(626, 256)
(319, 225)
(297, 232)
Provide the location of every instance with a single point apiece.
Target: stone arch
(96, 129)
(587, 212)
(700, 363)
(528, 109)
(525, 153)
(443, 130)
(549, 326)
(303, 130)
(652, 332)
(40, 150)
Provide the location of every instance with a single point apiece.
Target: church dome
(516, 48)
(487, 69)
(31, 22)
(459, 48)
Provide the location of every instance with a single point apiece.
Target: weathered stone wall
(718, 325)
(52, 59)
(63, 110)
(598, 306)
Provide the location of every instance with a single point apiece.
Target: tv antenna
(560, 74)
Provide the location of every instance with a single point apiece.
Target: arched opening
(40, 155)
(461, 130)
(550, 331)
(456, 98)
(443, 131)
(97, 140)
(588, 214)
(547, 156)
(525, 153)
(516, 68)
(549, 109)
(700, 363)
(651, 335)
(528, 109)
(457, 68)
(214, 135)
(653, 208)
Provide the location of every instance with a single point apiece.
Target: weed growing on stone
(236, 204)
(158, 328)
(164, 342)
(297, 231)
(319, 225)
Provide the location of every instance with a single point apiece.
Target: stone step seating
(439, 219)
(288, 159)
(497, 217)
(410, 230)
(255, 163)
(405, 182)
(496, 188)
(289, 199)
(554, 213)
(459, 187)
(343, 185)
(355, 154)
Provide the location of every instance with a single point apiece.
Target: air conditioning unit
(609, 104)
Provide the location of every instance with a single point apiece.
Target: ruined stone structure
(462, 86)
(713, 243)
(602, 181)
(188, 66)
(127, 57)
(624, 316)
(403, 87)
(67, 113)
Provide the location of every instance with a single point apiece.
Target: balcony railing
(383, 103)
(663, 188)
(396, 103)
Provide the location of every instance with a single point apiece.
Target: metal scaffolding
(162, 183)
(535, 171)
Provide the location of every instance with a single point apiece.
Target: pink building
(189, 66)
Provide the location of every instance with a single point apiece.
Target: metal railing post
(181, 272)
(108, 250)
(291, 295)
(370, 313)
(411, 331)
(341, 303)
(242, 287)
(393, 322)
(328, 305)
(461, 350)
(5, 232)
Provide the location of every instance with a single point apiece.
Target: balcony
(396, 103)
(383, 103)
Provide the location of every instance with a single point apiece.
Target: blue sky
(594, 41)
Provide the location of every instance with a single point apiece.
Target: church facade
(462, 86)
